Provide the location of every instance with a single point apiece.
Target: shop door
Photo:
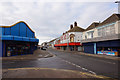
(89, 49)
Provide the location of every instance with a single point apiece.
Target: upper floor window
(107, 30)
(90, 34)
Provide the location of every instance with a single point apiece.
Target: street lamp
(68, 41)
(118, 6)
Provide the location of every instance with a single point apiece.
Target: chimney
(75, 24)
(71, 26)
(63, 33)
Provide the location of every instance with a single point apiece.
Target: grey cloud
(49, 20)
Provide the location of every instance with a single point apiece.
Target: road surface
(68, 61)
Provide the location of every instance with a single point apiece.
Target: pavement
(37, 54)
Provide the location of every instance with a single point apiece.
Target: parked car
(43, 48)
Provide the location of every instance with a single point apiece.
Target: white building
(71, 40)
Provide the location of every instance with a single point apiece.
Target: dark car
(43, 48)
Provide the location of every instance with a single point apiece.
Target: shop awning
(69, 44)
(18, 38)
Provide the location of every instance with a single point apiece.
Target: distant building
(52, 43)
(71, 39)
(17, 39)
(103, 38)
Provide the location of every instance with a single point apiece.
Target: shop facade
(73, 46)
(105, 38)
(17, 39)
(111, 47)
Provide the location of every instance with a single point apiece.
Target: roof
(76, 29)
(17, 23)
(53, 40)
(112, 18)
(93, 25)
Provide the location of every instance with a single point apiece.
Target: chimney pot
(75, 24)
(71, 26)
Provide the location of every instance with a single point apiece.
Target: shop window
(105, 31)
(90, 34)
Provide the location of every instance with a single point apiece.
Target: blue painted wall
(19, 32)
(1, 48)
(20, 29)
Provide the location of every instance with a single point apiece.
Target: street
(68, 61)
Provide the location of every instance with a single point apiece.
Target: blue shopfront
(111, 47)
(17, 39)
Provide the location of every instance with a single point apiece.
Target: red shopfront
(73, 46)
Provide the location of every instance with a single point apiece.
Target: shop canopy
(18, 38)
(69, 44)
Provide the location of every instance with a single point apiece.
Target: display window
(108, 51)
(17, 49)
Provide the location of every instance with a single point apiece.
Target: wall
(19, 29)
(77, 38)
(117, 27)
(105, 31)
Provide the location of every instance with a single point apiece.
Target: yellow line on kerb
(83, 73)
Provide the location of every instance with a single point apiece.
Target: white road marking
(92, 72)
(46, 55)
(84, 69)
(52, 54)
(79, 67)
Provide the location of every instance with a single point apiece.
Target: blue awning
(18, 38)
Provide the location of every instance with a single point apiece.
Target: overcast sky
(50, 19)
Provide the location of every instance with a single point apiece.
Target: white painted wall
(77, 38)
(117, 27)
(95, 34)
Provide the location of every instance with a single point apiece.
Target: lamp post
(118, 2)
(68, 41)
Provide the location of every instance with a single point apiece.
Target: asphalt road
(69, 61)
